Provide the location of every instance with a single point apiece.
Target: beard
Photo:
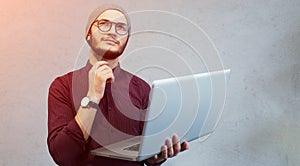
(106, 53)
(113, 54)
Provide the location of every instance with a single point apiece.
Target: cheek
(96, 36)
(123, 41)
(95, 39)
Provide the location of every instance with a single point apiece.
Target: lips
(110, 41)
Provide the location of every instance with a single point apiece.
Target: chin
(111, 55)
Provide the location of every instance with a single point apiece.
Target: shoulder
(138, 82)
(61, 82)
(65, 81)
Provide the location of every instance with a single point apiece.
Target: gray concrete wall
(259, 40)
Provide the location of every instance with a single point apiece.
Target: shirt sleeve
(65, 140)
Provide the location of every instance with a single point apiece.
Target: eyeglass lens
(105, 26)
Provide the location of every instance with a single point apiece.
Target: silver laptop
(189, 106)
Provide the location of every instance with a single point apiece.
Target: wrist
(86, 102)
(93, 98)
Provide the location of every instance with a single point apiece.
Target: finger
(176, 144)
(106, 72)
(110, 78)
(93, 70)
(98, 64)
(170, 147)
(103, 71)
(103, 68)
(164, 152)
(155, 157)
(184, 146)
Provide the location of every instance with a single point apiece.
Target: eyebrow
(111, 21)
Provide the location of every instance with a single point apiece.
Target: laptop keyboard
(135, 147)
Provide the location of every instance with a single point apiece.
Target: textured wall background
(259, 40)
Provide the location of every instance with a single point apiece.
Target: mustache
(112, 39)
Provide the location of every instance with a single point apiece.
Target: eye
(121, 28)
(103, 23)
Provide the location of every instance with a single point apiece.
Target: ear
(88, 37)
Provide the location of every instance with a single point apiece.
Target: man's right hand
(99, 75)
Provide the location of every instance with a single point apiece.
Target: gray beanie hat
(99, 10)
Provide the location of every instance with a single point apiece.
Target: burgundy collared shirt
(120, 116)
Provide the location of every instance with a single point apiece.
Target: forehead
(113, 15)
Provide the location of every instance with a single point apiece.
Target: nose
(112, 30)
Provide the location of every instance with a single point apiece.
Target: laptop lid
(189, 106)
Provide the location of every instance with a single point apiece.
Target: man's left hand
(169, 150)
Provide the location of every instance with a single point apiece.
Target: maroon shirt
(120, 116)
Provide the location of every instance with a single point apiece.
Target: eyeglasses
(105, 26)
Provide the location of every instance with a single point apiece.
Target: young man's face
(105, 42)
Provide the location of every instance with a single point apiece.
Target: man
(100, 103)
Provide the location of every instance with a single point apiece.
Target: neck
(93, 58)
